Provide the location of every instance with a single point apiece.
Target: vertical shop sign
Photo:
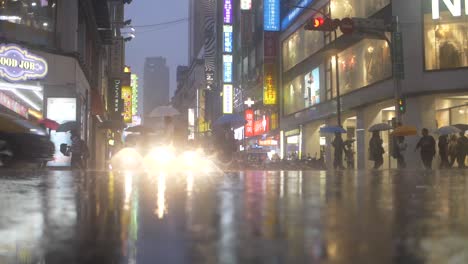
(269, 86)
(115, 98)
(246, 4)
(228, 95)
(227, 68)
(249, 125)
(228, 11)
(191, 123)
(227, 40)
(127, 104)
(271, 9)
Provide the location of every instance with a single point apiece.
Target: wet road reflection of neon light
(128, 189)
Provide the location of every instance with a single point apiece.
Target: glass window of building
(303, 92)
(39, 14)
(356, 8)
(363, 64)
(299, 46)
(445, 41)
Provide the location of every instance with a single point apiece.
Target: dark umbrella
(67, 126)
(112, 125)
(462, 127)
(139, 129)
(230, 119)
(50, 124)
(332, 130)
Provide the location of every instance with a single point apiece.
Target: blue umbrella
(230, 119)
(332, 130)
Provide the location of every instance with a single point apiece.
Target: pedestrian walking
(444, 151)
(427, 147)
(462, 147)
(376, 149)
(338, 144)
(79, 151)
(399, 147)
(452, 150)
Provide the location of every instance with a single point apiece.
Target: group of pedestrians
(451, 149)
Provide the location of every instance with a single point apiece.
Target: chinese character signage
(228, 11)
(134, 84)
(269, 86)
(228, 95)
(127, 104)
(261, 126)
(17, 64)
(115, 107)
(227, 32)
(227, 68)
(249, 125)
(246, 4)
(271, 9)
(191, 123)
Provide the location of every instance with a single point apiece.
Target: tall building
(156, 84)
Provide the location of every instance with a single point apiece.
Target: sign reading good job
(17, 64)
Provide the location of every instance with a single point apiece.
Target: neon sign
(271, 15)
(228, 11)
(227, 68)
(227, 31)
(269, 86)
(17, 64)
(262, 126)
(127, 101)
(249, 125)
(228, 94)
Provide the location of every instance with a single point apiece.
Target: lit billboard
(228, 11)
(228, 96)
(127, 104)
(271, 9)
(227, 68)
(270, 93)
(246, 4)
(227, 39)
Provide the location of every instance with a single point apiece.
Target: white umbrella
(163, 111)
(447, 130)
(380, 127)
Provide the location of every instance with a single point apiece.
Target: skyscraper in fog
(156, 84)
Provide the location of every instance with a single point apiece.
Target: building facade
(66, 45)
(435, 74)
(156, 84)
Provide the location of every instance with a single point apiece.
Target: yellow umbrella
(405, 131)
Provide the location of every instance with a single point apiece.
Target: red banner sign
(262, 126)
(13, 105)
(249, 126)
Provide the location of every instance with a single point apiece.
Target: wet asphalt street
(251, 217)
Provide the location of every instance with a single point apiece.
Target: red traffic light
(318, 22)
(321, 24)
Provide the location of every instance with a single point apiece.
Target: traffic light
(322, 24)
(402, 105)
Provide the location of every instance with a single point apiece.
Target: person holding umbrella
(376, 149)
(462, 146)
(427, 147)
(339, 146)
(444, 151)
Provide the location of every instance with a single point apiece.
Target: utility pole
(397, 65)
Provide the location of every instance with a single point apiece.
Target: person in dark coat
(443, 152)
(427, 147)
(339, 146)
(376, 149)
(462, 145)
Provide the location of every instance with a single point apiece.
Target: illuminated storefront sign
(227, 68)
(246, 4)
(17, 64)
(312, 87)
(295, 12)
(249, 125)
(228, 11)
(239, 133)
(127, 104)
(271, 9)
(134, 85)
(268, 142)
(115, 99)
(227, 41)
(454, 7)
(13, 105)
(228, 96)
(269, 86)
(262, 126)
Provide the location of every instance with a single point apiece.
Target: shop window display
(39, 14)
(303, 92)
(363, 64)
(299, 46)
(445, 41)
(356, 8)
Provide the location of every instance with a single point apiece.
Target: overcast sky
(166, 41)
